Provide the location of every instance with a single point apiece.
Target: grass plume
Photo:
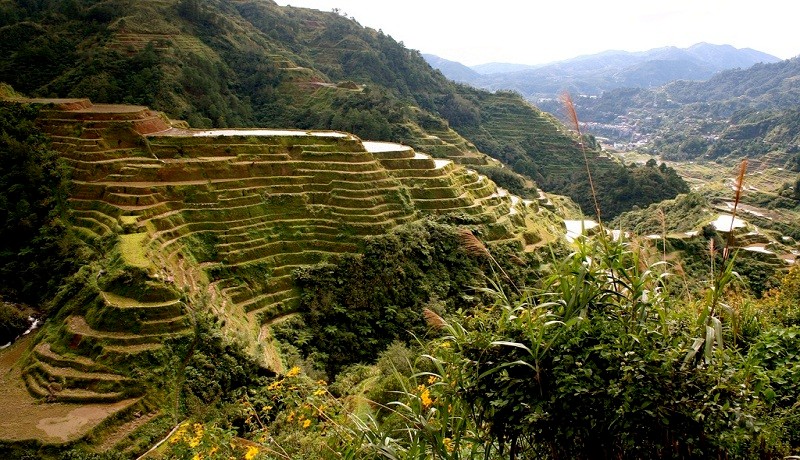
(472, 244)
(663, 218)
(572, 114)
(433, 319)
(475, 247)
(737, 198)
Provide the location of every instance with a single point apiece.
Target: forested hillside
(252, 63)
(322, 261)
(737, 113)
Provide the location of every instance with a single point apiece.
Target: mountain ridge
(737, 113)
(594, 73)
(251, 63)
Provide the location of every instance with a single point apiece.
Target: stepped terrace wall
(218, 220)
(231, 213)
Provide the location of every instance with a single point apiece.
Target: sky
(536, 32)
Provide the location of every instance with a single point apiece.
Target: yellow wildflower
(319, 392)
(293, 372)
(197, 457)
(322, 382)
(198, 435)
(179, 434)
(275, 385)
(425, 397)
(307, 423)
(432, 379)
(448, 444)
(290, 417)
(251, 453)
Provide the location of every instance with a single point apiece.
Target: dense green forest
(423, 341)
(252, 63)
(38, 251)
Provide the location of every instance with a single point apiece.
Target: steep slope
(214, 222)
(534, 143)
(252, 63)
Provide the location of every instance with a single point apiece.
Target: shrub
(13, 322)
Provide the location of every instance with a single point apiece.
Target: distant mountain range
(594, 74)
(737, 113)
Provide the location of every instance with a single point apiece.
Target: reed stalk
(737, 198)
(569, 106)
(475, 247)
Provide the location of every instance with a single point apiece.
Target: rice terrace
(242, 229)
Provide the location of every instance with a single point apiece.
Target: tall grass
(739, 187)
(572, 114)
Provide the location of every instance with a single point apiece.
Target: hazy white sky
(535, 32)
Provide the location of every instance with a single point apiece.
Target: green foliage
(509, 180)
(683, 214)
(782, 304)
(79, 454)
(397, 275)
(777, 353)
(790, 285)
(219, 64)
(215, 367)
(597, 341)
(203, 245)
(642, 186)
(13, 322)
(37, 250)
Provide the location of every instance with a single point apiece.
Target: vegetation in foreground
(593, 361)
(596, 359)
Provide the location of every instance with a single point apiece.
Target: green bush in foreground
(595, 361)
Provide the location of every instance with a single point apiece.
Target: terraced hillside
(217, 221)
(224, 63)
(535, 144)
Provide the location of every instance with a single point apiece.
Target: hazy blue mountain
(593, 74)
(453, 70)
(500, 67)
(727, 57)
